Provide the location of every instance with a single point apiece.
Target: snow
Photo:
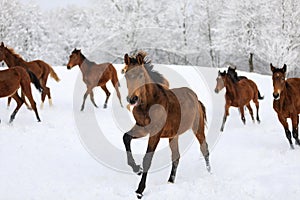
(80, 155)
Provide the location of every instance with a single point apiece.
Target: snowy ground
(50, 160)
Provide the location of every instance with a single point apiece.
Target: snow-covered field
(51, 159)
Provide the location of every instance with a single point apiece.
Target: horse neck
(152, 91)
(84, 63)
(14, 60)
(230, 86)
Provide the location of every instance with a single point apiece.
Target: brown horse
(94, 75)
(161, 113)
(238, 94)
(38, 67)
(11, 80)
(286, 102)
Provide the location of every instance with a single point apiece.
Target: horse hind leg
(250, 111)
(173, 143)
(116, 85)
(104, 88)
(257, 109)
(19, 101)
(242, 114)
(198, 129)
(27, 93)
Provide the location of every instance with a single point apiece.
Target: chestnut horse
(11, 80)
(286, 101)
(238, 94)
(161, 113)
(38, 67)
(94, 75)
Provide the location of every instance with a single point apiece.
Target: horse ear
(284, 68)
(272, 67)
(2, 44)
(140, 59)
(126, 59)
(219, 72)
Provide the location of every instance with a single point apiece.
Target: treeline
(211, 33)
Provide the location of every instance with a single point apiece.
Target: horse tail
(35, 80)
(259, 96)
(53, 74)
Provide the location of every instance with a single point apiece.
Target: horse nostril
(132, 100)
(68, 67)
(216, 91)
(275, 95)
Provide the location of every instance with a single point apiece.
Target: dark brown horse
(94, 75)
(286, 102)
(38, 67)
(11, 80)
(238, 94)
(161, 113)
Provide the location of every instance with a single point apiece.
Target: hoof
(292, 146)
(138, 170)
(208, 168)
(139, 195)
(105, 106)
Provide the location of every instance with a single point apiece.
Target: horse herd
(159, 111)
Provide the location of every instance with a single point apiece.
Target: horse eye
(140, 76)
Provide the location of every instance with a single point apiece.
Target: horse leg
(250, 111)
(88, 91)
(286, 129)
(107, 95)
(226, 113)
(26, 91)
(92, 99)
(198, 130)
(8, 101)
(152, 144)
(19, 101)
(173, 143)
(257, 108)
(295, 122)
(116, 86)
(242, 114)
(135, 132)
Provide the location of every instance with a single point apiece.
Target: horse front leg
(152, 144)
(295, 122)
(242, 114)
(286, 129)
(226, 113)
(88, 91)
(135, 132)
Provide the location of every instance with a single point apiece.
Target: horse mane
(12, 51)
(154, 75)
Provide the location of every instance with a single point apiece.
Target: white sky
(49, 4)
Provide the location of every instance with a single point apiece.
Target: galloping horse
(10, 81)
(238, 94)
(161, 113)
(94, 75)
(286, 101)
(38, 67)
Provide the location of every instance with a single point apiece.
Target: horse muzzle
(133, 100)
(276, 96)
(68, 67)
(216, 91)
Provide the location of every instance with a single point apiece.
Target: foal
(238, 94)
(286, 101)
(161, 113)
(94, 75)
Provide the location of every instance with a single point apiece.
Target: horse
(11, 80)
(94, 75)
(238, 94)
(286, 103)
(40, 68)
(160, 113)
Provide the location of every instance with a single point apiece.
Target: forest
(211, 33)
